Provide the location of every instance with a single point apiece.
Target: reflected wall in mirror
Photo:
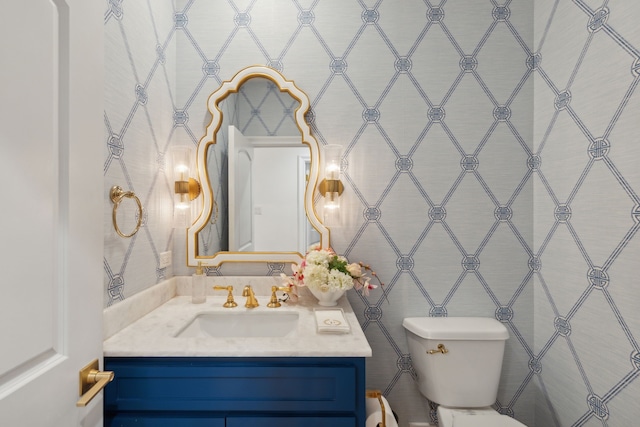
(259, 165)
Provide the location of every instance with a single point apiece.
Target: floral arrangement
(324, 270)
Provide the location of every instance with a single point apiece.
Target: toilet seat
(476, 417)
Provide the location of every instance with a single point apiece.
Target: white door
(241, 230)
(51, 213)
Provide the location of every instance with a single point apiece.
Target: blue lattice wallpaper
(586, 214)
(490, 169)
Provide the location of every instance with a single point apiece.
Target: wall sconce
(186, 188)
(331, 187)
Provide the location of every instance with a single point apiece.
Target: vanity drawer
(236, 385)
(147, 420)
(291, 422)
(177, 421)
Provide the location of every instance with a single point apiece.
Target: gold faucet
(230, 302)
(252, 302)
(274, 303)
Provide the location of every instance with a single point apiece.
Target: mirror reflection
(259, 159)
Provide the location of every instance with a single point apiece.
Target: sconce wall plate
(331, 186)
(191, 187)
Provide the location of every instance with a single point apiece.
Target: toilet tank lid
(456, 328)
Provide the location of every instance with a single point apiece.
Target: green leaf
(337, 264)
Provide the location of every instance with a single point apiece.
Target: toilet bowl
(476, 417)
(458, 361)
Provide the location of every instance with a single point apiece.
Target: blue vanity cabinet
(235, 392)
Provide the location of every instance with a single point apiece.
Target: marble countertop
(154, 335)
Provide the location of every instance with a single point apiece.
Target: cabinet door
(291, 422)
(149, 420)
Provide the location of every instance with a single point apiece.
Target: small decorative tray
(331, 321)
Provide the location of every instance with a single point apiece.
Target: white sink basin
(241, 324)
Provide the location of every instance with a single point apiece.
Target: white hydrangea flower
(339, 280)
(320, 257)
(316, 275)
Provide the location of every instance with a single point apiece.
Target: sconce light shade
(331, 186)
(186, 188)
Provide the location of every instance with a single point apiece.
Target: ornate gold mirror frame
(227, 88)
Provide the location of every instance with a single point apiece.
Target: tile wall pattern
(489, 162)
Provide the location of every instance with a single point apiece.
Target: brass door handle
(92, 381)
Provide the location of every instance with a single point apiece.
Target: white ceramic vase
(327, 298)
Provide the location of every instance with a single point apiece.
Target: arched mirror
(258, 164)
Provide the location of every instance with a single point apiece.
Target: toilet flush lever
(441, 349)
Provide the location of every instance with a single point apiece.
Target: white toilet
(458, 361)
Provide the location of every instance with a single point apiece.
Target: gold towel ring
(117, 194)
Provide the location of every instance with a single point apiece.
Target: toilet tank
(468, 374)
